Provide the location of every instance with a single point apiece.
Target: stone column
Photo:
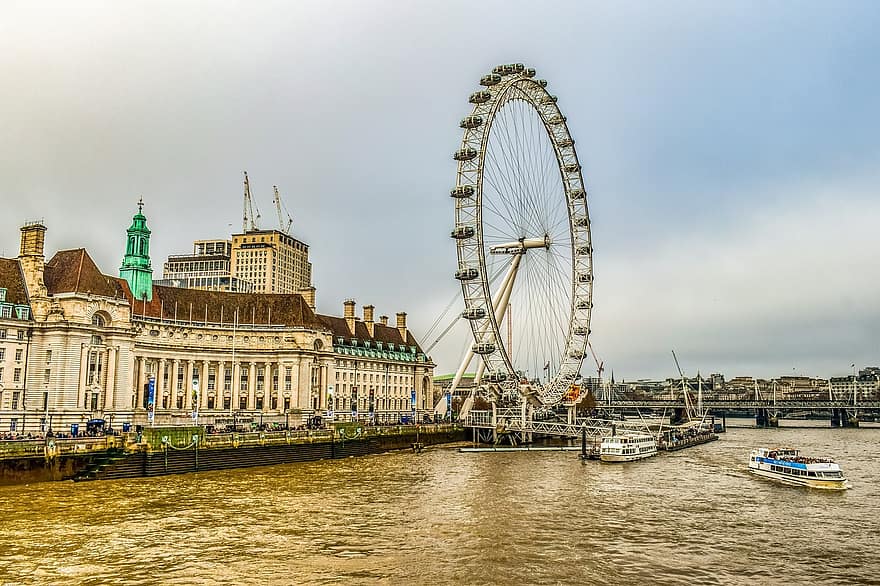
(236, 383)
(110, 383)
(203, 384)
(175, 366)
(160, 383)
(141, 381)
(83, 373)
(252, 385)
(187, 385)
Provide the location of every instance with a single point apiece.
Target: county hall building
(78, 345)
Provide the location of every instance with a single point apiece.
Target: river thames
(443, 517)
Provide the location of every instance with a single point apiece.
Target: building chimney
(32, 259)
(383, 319)
(308, 294)
(349, 314)
(368, 318)
(401, 324)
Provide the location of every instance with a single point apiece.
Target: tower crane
(250, 220)
(283, 225)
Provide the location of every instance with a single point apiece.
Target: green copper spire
(136, 267)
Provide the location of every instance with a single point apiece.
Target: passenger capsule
(571, 168)
(582, 222)
(576, 354)
(490, 80)
(584, 304)
(480, 97)
(542, 82)
(518, 67)
(483, 348)
(587, 249)
(462, 191)
(474, 313)
(462, 232)
(466, 274)
(465, 154)
(576, 194)
(557, 119)
(585, 278)
(471, 122)
(496, 377)
(529, 72)
(549, 100)
(581, 331)
(565, 143)
(499, 70)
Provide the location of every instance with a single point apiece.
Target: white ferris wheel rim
(505, 84)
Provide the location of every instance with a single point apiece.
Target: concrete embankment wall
(157, 460)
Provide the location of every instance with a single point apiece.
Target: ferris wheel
(522, 231)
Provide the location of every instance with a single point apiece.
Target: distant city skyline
(731, 154)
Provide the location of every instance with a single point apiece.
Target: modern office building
(274, 262)
(207, 268)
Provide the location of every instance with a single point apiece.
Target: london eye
(522, 232)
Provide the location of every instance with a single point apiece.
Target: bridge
(722, 404)
(513, 423)
(843, 412)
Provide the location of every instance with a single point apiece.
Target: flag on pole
(547, 366)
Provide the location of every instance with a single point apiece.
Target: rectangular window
(261, 372)
(2, 334)
(2, 294)
(46, 375)
(6, 311)
(18, 352)
(212, 377)
(48, 356)
(227, 380)
(20, 334)
(16, 375)
(288, 381)
(15, 396)
(2, 353)
(243, 382)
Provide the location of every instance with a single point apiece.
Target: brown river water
(444, 517)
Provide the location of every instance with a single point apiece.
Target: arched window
(98, 320)
(318, 345)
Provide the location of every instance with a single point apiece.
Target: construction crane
(283, 225)
(250, 220)
(600, 366)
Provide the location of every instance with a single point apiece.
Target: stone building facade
(92, 349)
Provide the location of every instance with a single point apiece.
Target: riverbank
(179, 450)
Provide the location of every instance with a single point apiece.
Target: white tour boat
(627, 447)
(789, 466)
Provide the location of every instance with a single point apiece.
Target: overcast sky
(732, 153)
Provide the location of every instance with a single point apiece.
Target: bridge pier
(679, 416)
(844, 418)
(763, 418)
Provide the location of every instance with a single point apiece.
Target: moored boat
(627, 447)
(788, 465)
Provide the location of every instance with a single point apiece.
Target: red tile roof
(12, 279)
(74, 271)
(221, 306)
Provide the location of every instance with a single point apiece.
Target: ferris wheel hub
(521, 245)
